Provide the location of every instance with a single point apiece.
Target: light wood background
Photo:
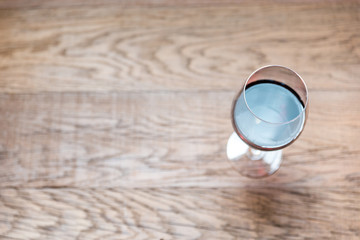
(115, 115)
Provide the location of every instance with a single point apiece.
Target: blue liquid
(272, 106)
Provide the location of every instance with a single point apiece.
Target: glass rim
(275, 123)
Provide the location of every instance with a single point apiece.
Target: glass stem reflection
(252, 162)
(255, 154)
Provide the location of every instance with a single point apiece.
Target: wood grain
(176, 48)
(280, 213)
(162, 139)
(48, 4)
(115, 115)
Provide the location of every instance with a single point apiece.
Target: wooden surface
(115, 115)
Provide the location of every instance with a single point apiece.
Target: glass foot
(251, 162)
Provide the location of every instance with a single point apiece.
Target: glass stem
(252, 162)
(255, 154)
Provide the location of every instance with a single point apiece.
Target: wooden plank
(252, 213)
(176, 48)
(20, 4)
(16, 4)
(162, 140)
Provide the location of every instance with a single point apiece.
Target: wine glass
(268, 114)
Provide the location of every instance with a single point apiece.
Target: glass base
(251, 162)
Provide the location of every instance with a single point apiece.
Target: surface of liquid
(264, 121)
